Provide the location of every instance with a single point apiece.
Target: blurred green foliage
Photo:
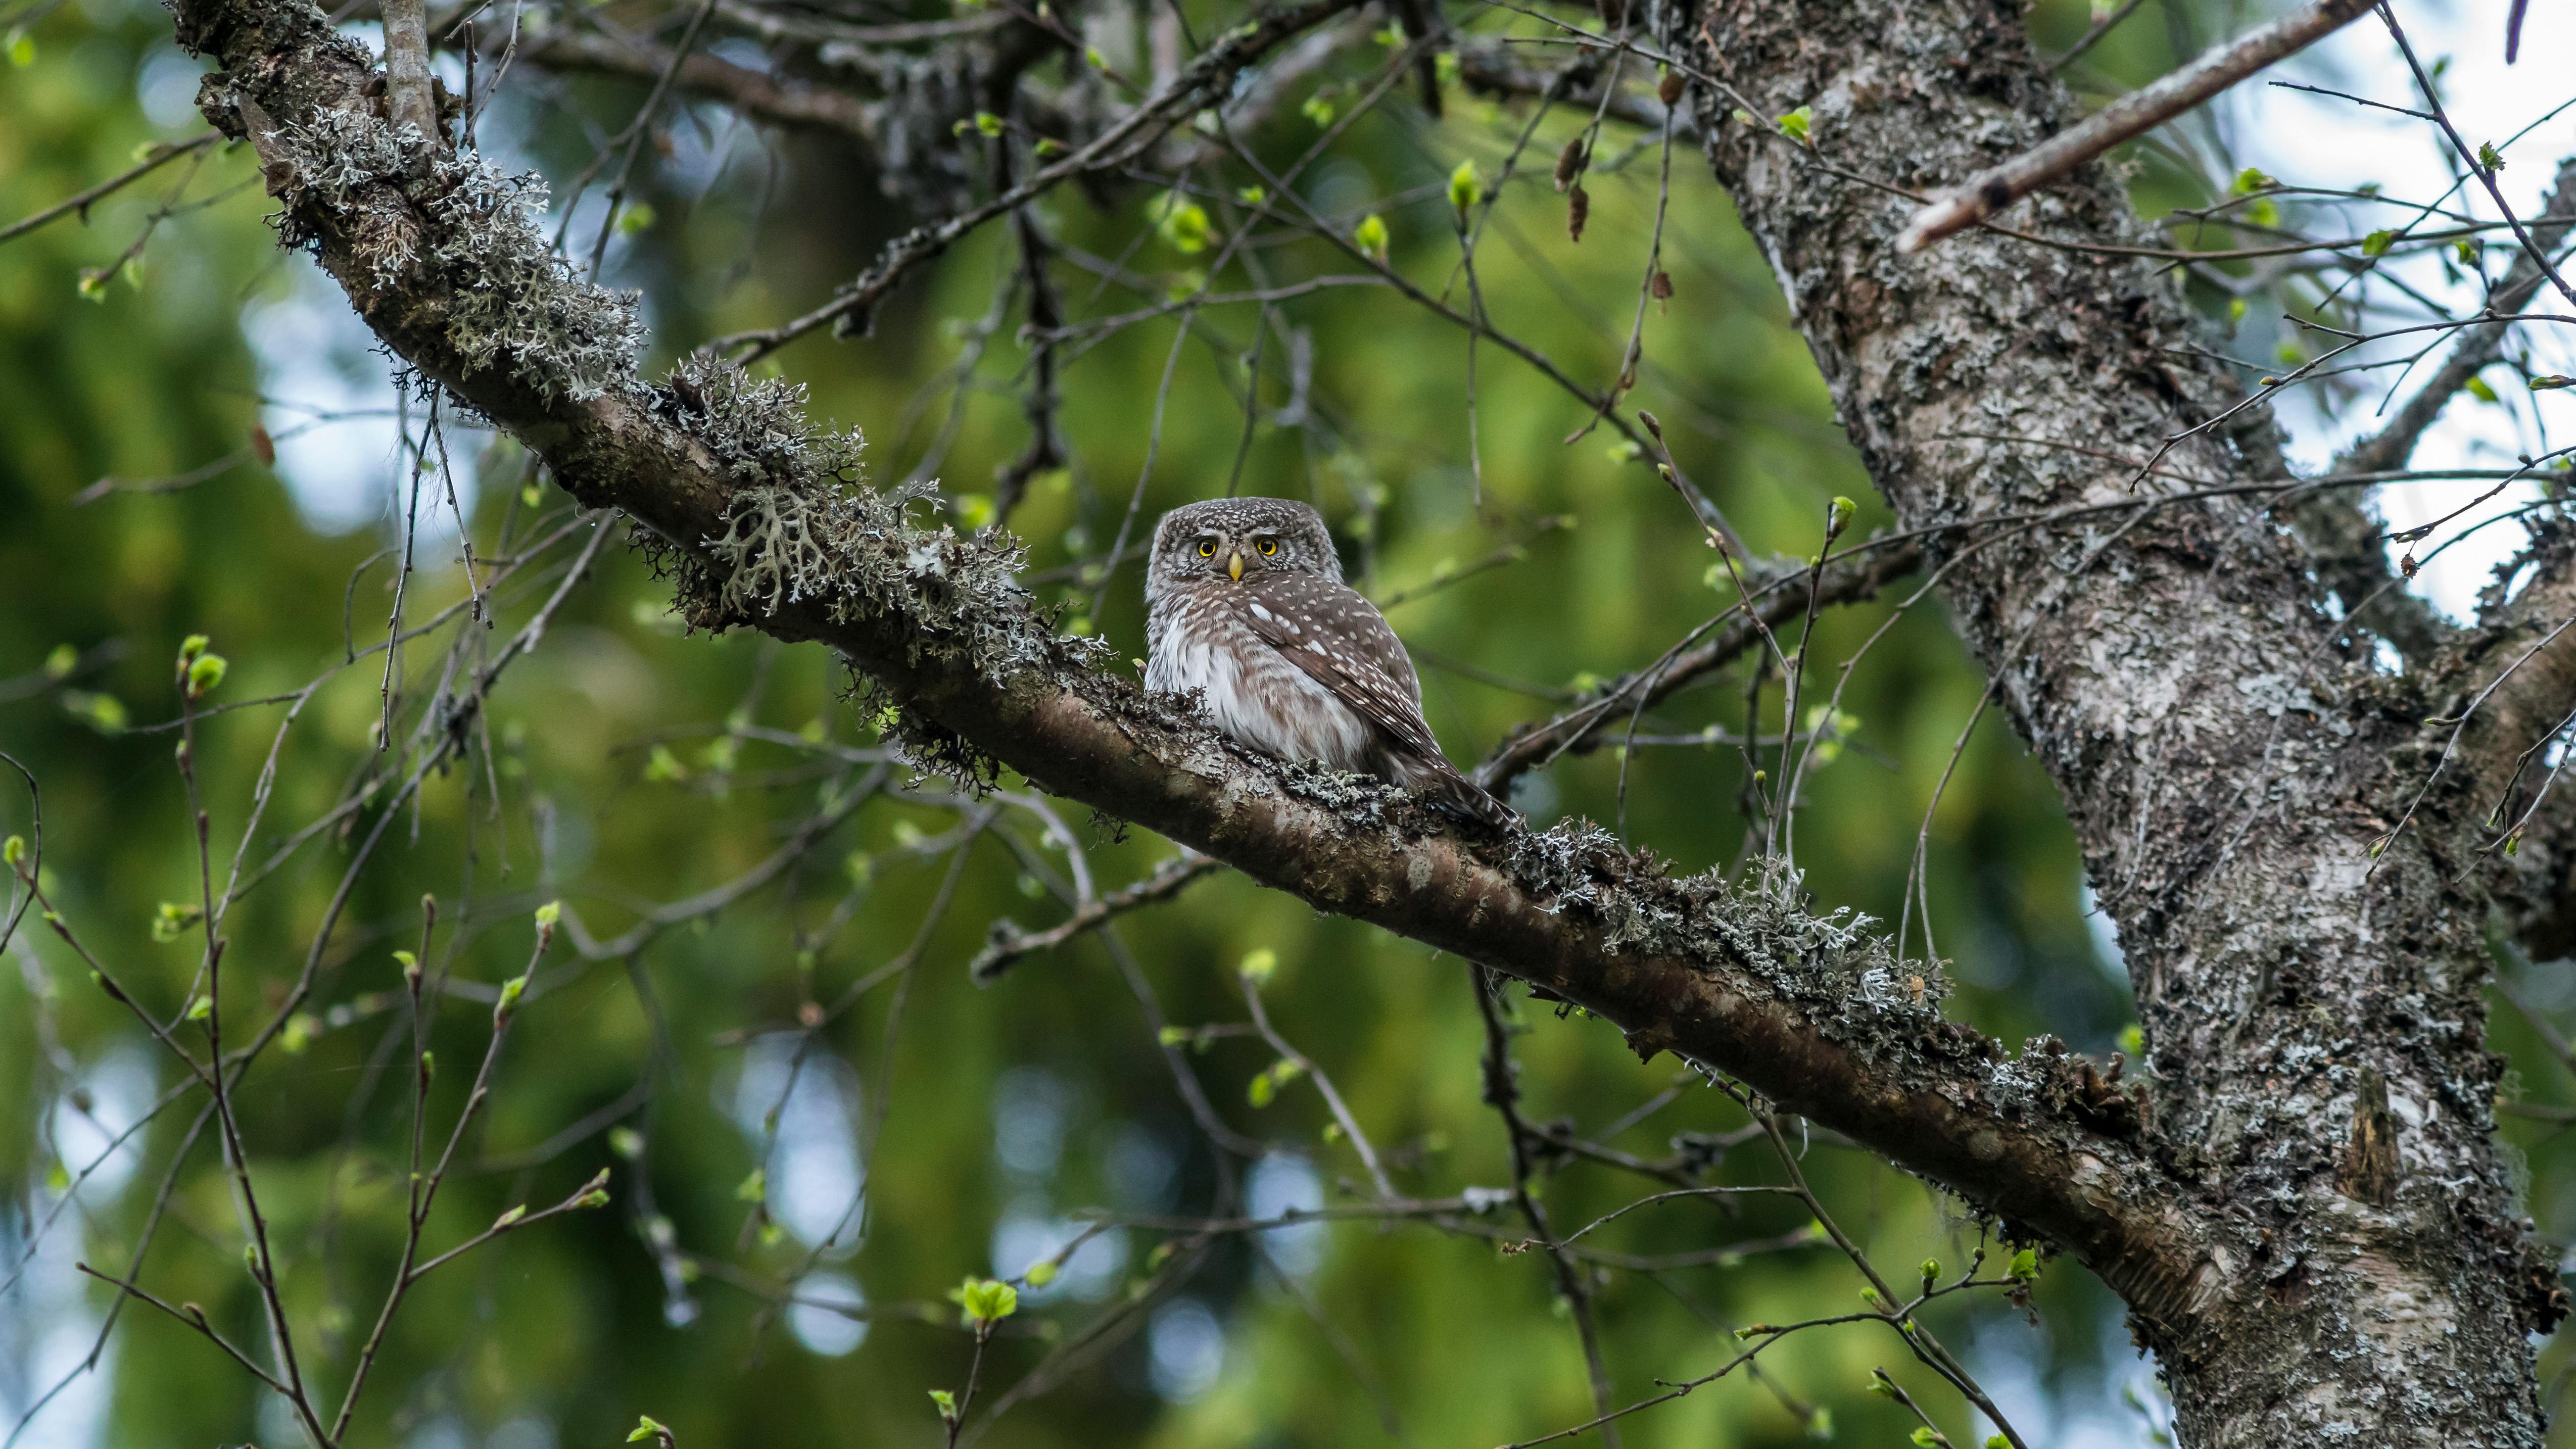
(635, 764)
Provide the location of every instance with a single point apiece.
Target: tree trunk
(2313, 1007)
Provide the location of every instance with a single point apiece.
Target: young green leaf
(1182, 224)
(985, 1301)
(1370, 236)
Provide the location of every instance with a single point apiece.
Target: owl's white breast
(1249, 691)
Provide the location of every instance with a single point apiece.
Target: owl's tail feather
(1456, 793)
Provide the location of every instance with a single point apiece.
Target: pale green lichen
(757, 428)
(803, 532)
(1836, 969)
(510, 302)
(851, 552)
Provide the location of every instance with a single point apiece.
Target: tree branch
(778, 99)
(1849, 579)
(1487, 67)
(1811, 1012)
(159, 156)
(2132, 115)
(853, 307)
(407, 92)
(1007, 943)
(2476, 348)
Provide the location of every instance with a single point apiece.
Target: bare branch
(2482, 163)
(2476, 348)
(777, 98)
(2132, 115)
(406, 30)
(852, 308)
(1488, 67)
(1848, 579)
(160, 156)
(1007, 943)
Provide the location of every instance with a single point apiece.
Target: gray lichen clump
(511, 301)
(801, 531)
(1836, 968)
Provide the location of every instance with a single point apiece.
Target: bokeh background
(936, 1130)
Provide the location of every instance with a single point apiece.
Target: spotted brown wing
(1341, 641)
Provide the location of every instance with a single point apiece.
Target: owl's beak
(1234, 566)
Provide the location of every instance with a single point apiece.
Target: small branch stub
(408, 95)
(2369, 1170)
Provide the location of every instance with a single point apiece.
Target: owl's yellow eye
(1269, 546)
(1207, 548)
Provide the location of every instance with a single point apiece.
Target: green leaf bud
(204, 675)
(1465, 190)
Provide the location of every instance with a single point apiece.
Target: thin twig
(1007, 944)
(160, 156)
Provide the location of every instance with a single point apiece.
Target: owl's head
(1237, 538)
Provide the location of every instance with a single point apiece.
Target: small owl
(1246, 605)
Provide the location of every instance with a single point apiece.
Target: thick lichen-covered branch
(769, 527)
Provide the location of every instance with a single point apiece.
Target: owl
(1246, 605)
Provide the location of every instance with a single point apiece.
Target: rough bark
(2228, 776)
